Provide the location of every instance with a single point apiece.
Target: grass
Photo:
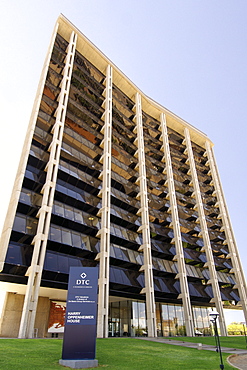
(230, 342)
(112, 353)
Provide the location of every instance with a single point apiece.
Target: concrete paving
(79, 364)
(238, 358)
(238, 361)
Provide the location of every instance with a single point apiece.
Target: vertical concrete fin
(177, 233)
(205, 234)
(104, 256)
(147, 267)
(230, 239)
(40, 241)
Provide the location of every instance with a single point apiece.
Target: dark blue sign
(81, 314)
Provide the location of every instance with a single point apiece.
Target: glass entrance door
(114, 328)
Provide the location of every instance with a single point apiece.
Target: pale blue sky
(189, 55)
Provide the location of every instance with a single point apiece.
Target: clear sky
(189, 55)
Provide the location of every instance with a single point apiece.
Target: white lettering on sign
(77, 318)
(82, 282)
(74, 313)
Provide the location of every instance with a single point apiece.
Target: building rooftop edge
(150, 106)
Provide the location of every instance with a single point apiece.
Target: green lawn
(230, 342)
(112, 353)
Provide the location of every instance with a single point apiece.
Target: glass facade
(73, 238)
(128, 318)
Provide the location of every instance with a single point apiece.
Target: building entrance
(114, 328)
(127, 318)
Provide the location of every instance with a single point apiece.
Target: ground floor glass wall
(128, 318)
(201, 320)
(171, 320)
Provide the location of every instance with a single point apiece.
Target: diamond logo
(83, 275)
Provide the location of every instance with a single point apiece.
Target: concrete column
(105, 193)
(9, 220)
(227, 228)
(204, 234)
(182, 276)
(144, 228)
(34, 271)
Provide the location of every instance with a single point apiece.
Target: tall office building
(110, 178)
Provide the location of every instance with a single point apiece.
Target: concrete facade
(10, 321)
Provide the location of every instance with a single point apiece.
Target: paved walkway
(237, 358)
(238, 361)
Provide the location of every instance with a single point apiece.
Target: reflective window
(55, 234)
(51, 262)
(78, 216)
(58, 209)
(77, 240)
(138, 322)
(25, 197)
(66, 237)
(69, 214)
(25, 224)
(14, 255)
(201, 320)
(20, 224)
(63, 264)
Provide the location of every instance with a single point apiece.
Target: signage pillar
(79, 343)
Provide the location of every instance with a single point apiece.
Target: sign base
(79, 364)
